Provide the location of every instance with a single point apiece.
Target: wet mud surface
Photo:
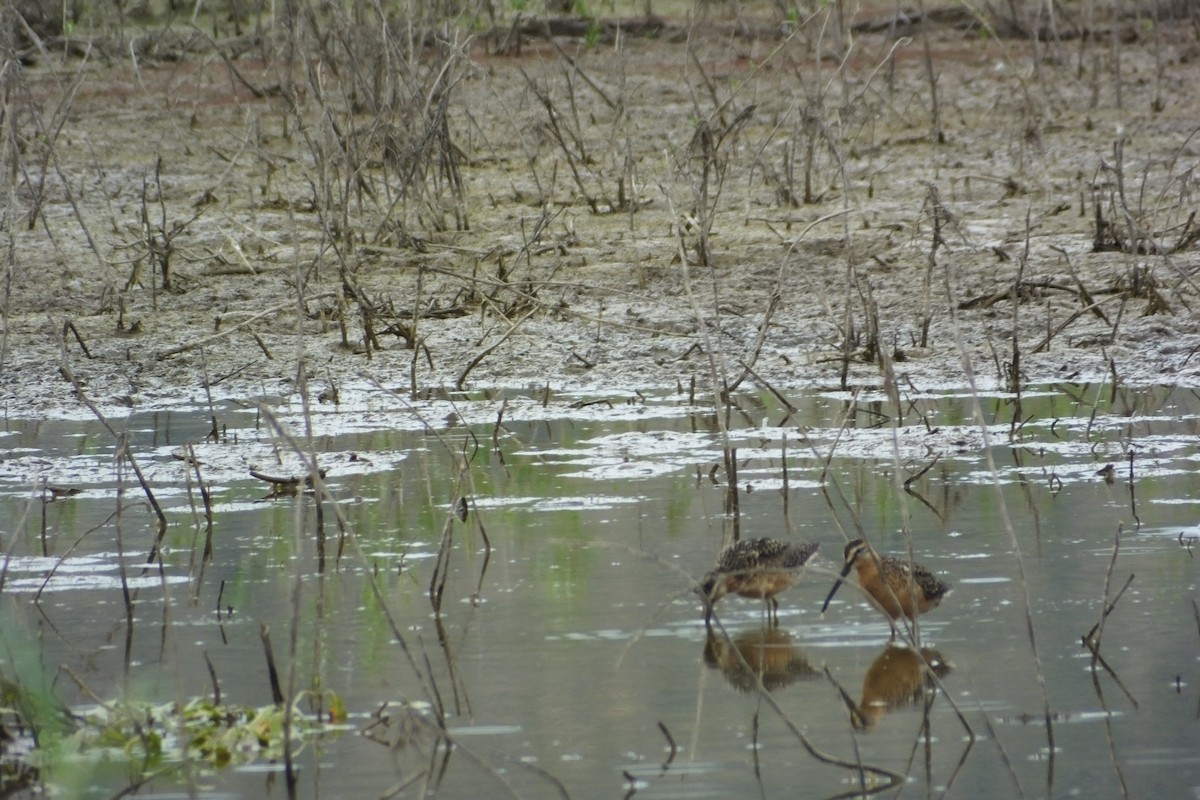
(555, 237)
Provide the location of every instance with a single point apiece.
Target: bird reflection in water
(768, 655)
(897, 678)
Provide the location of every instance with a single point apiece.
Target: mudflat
(716, 196)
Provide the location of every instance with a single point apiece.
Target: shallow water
(572, 654)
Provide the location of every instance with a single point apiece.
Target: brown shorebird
(754, 568)
(897, 587)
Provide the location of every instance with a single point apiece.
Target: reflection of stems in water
(264, 635)
(206, 499)
(662, 726)
(37, 597)
(16, 536)
(1002, 507)
(424, 674)
(423, 671)
(487, 558)
(857, 720)
(289, 708)
(911, 492)
(731, 489)
(893, 779)
(498, 426)
(925, 736)
(441, 567)
(1092, 641)
(1116, 379)
(456, 681)
(42, 538)
(1196, 614)
(463, 484)
(1024, 484)
(1093, 645)
(1108, 731)
(1092, 638)
(128, 661)
(908, 482)
(212, 676)
(1137, 522)
(439, 705)
(754, 748)
(122, 449)
(851, 407)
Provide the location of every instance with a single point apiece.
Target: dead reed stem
(460, 382)
(226, 331)
(936, 134)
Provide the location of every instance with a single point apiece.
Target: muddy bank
(616, 212)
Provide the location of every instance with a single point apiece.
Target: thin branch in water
(662, 726)
(1133, 495)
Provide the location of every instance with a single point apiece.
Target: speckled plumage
(896, 586)
(759, 568)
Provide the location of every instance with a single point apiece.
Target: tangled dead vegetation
(820, 195)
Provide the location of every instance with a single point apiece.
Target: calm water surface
(571, 657)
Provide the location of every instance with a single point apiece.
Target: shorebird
(754, 568)
(895, 586)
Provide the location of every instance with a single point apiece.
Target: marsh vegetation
(381, 379)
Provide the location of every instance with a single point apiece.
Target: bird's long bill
(704, 592)
(836, 584)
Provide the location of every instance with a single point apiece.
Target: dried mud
(527, 279)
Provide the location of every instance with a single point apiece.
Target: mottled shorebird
(759, 568)
(897, 587)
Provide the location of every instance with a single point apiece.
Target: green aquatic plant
(591, 36)
(156, 738)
